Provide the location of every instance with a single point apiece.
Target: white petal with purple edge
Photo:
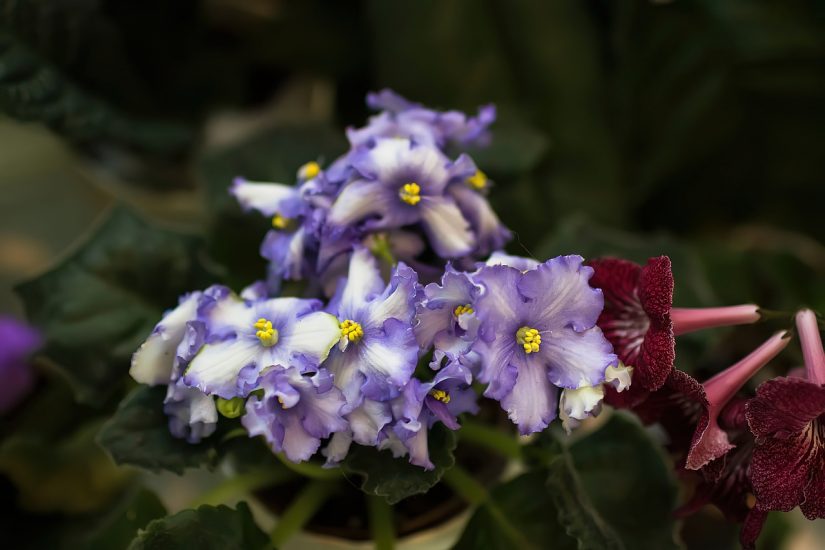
(312, 335)
(576, 359)
(449, 232)
(532, 403)
(215, 369)
(363, 281)
(266, 198)
(152, 362)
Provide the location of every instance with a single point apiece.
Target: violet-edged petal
(448, 230)
(192, 414)
(370, 200)
(153, 361)
(286, 251)
(533, 401)
(216, 369)
(267, 198)
(518, 262)
(363, 283)
(312, 336)
(490, 233)
(398, 299)
(394, 161)
(387, 358)
(576, 359)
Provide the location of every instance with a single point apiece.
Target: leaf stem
(301, 510)
(381, 522)
(491, 438)
(474, 493)
(241, 484)
(307, 469)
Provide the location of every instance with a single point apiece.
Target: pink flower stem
(692, 319)
(724, 385)
(811, 341)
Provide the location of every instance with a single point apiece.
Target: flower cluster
(405, 321)
(750, 455)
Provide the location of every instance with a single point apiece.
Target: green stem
(240, 485)
(307, 469)
(491, 438)
(232, 434)
(301, 510)
(381, 523)
(474, 493)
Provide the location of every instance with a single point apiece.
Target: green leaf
(205, 528)
(395, 478)
(273, 155)
(117, 529)
(138, 435)
(527, 505)
(99, 304)
(576, 512)
(624, 473)
(516, 146)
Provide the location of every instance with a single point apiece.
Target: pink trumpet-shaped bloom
(687, 320)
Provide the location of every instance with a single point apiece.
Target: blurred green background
(689, 128)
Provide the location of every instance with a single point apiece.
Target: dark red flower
(689, 411)
(787, 417)
(640, 321)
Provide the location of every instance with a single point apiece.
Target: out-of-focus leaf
(516, 147)
(271, 156)
(395, 478)
(205, 528)
(97, 306)
(71, 476)
(138, 435)
(119, 527)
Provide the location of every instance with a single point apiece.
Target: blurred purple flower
(17, 342)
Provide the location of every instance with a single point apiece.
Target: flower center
(478, 180)
(440, 395)
(281, 401)
(529, 339)
(410, 193)
(266, 333)
(461, 310)
(279, 222)
(309, 170)
(351, 330)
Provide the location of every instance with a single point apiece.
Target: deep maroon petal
(814, 504)
(779, 472)
(657, 355)
(656, 289)
(784, 406)
(751, 528)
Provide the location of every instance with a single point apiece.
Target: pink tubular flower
(640, 321)
(683, 403)
(787, 417)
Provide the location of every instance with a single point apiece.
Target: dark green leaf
(526, 504)
(117, 529)
(628, 481)
(138, 435)
(395, 478)
(516, 146)
(576, 512)
(205, 528)
(98, 305)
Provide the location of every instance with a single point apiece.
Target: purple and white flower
(257, 335)
(538, 334)
(296, 411)
(377, 350)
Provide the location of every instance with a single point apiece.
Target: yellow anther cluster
(410, 193)
(281, 401)
(351, 330)
(477, 180)
(461, 310)
(266, 333)
(529, 339)
(309, 170)
(279, 222)
(440, 395)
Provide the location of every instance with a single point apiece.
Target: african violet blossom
(295, 411)
(19, 341)
(377, 351)
(256, 335)
(786, 417)
(422, 404)
(403, 118)
(538, 333)
(640, 321)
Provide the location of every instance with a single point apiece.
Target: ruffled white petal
(215, 369)
(312, 336)
(619, 376)
(449, 232)
(576, 405)
(266, 198)
(152, 363)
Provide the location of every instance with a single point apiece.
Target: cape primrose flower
(401, 183)
(538, 333)
(377, 350)
(295, 412)
(261, 333)
(786, 417)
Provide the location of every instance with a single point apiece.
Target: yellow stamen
(410, 193)
(279, 222)
(266, 333)
(529, 339)
(281, 401)
(309, 170)
(351, 330)
(461, 310)
(440, 395)
(478, 180)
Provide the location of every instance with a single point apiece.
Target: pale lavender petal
(533, 402)
(576, 359)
